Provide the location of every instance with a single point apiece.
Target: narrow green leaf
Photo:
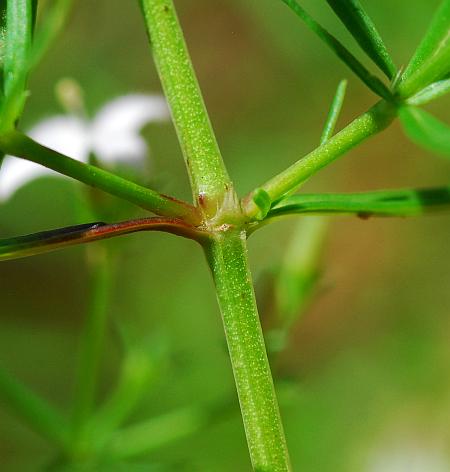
(300, 267)
(363, 30)
(139, 370)
(426, 130)
(34, 410)
(54, 19)
(46, 241)
(432, 92)
(18, 37)
(431, 61)
(19, 27)
(365, 204)
(340, 50)
(146, 436)
(2, 46)
(333, 114)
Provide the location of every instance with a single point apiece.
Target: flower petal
(115, 129)
(68, 135)
(17, 172)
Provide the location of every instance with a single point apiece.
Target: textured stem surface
(227, 257)
(22, 146)
(366, 125)
(203, 160)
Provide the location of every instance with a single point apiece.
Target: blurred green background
(364, 383)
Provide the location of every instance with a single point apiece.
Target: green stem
(226, 250)
(22, 146)
(366, 125)
(91, 342)
(227, 257)
(209, 178)
(36, 412)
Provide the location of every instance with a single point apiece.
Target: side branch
(366, 125)
(45, 241)
(19, 145)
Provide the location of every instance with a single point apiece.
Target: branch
(22, 146)
(370, 123)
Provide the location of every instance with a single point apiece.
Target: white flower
(113, 136)
(410, 458)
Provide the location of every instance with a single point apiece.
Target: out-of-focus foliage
(364, 380)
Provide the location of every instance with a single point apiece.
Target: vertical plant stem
(227, 257)
(209, 178)
(226, 251)
(92, 341)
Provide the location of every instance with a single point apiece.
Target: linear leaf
(19, 26)
(53, 22)
(426, 130)
(32, 409)
(45, 241)
(433, 91)
(335, 110)
(340, 50)
(139, 370)
(18, 39)
(299, 269)
(363, 30)
(146, 436)
(431, 61)
(405, 202)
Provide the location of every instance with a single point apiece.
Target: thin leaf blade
(432, 92)
(375, 84)
(335, 110)
(46, 241)
(431, 61)
(403, 202)
(425, 130)
(363, 30)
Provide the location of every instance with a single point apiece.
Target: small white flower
(410, 458)
(113, 136)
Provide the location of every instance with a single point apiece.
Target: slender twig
(22, 146)
(366, 125)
